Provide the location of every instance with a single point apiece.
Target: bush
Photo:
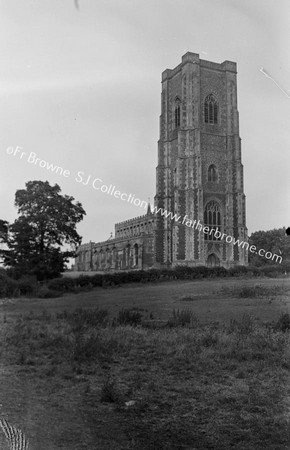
(272, 271)
(45, 292)
(8, 287)
(62, 284)
(182, 272)
(27, 285)
(129, 317)
(238, 271)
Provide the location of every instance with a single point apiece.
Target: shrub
(189, 273)
(272, 271)
(84, 280)
(45, 292)
(237, 271)
(182, 272)
(27, 285)
(129, 317)
(62, 284)
(8, 287)
(97, 280)
(218, 272)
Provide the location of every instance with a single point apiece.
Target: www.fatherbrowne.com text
(98, 185)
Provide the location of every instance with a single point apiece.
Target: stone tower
(199, 173)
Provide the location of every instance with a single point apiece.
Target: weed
(109, 392)
(188, 298)
(245, 326)
(83, 319)
(283, 323)
(129, 317)
(183, 317)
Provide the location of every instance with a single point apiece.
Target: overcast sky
(80, 88)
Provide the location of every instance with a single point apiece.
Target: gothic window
(212, 220)
(115, 258)
(136, 254)
(108, 257)
(212, 174)
(177, 113)
(211, 109)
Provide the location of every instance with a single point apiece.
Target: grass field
(220, 382)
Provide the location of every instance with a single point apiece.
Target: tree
(46, 224)
(275, 241)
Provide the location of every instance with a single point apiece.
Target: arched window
(210, 109)
(114, 258)
(128, 255)
(177, 113)
(212, 220)
(212, 174)
(136, 254)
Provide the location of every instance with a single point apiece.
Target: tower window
(211, 110)
(212, 220)
(212, 174)
(177, 114)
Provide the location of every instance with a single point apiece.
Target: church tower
(199, 176)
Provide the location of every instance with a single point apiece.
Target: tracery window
(211, 109)
(212, 220)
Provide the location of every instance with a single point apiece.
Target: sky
(80, 89)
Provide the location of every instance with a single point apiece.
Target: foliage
(274, 241)
(28, 285)
(45, 292)
(8, 287)
(68, 284)
(57, 286)
(47, 222)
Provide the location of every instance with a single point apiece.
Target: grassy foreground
(88, 379)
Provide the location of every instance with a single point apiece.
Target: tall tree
(46, 224)
(275, 241)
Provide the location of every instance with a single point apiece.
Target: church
(199, 176)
